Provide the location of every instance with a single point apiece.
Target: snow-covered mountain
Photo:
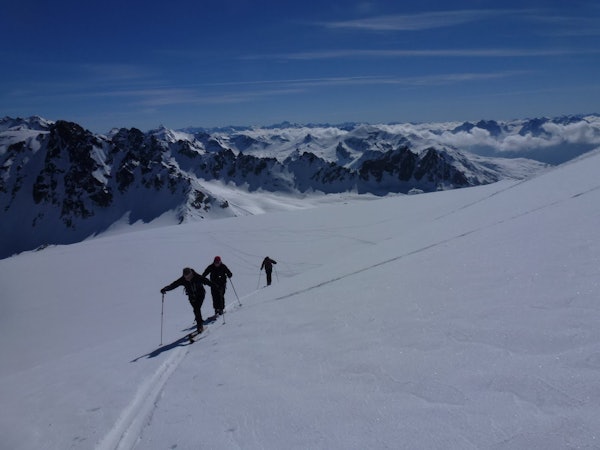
(549, 140)
(60, 183)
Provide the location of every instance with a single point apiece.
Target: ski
(193, 336)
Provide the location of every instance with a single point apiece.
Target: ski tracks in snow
(465, 233)
(127, 430)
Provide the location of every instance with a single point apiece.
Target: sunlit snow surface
(463, 319)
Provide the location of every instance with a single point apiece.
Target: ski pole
(162, 310)
(276, 275)
(234, 291)
(223, 300)
(259, 274)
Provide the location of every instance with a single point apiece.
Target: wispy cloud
(461, 53)
(161, 97)
(413, 22)
(455, 78)
(134, 86)
(294, 85)
(247, 91)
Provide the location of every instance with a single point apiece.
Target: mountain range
(61, 183)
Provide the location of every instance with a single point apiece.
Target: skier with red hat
(219, 273)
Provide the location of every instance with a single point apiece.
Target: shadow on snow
(181, 342)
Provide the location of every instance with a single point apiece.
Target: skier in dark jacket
(267, 264)
(193, 284)
(219, 273)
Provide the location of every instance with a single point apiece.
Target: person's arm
(207, 282)
(172, 286)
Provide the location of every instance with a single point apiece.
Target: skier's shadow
(181, 342)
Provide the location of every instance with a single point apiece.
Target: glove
(163, 290)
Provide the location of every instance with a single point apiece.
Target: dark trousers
(197, 306)
(218, 297)
(268, 272)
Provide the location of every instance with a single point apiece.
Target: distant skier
(219, 273)
(267, 264)
(193, 284)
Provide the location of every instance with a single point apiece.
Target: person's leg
(216, 295)
(197, 307)
(222, 300)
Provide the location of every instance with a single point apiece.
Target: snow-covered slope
(461, 319)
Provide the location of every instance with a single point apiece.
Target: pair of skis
(194, 334)
(211, 319)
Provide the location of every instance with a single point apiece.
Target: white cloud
(421, 21)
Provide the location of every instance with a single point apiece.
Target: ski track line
(435, 244)
(127, 430)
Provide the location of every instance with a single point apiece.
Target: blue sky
(208, 63)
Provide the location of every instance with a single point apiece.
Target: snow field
(462, 319)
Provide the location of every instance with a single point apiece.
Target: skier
(219, 273)
(267, 264)
(193, 284)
